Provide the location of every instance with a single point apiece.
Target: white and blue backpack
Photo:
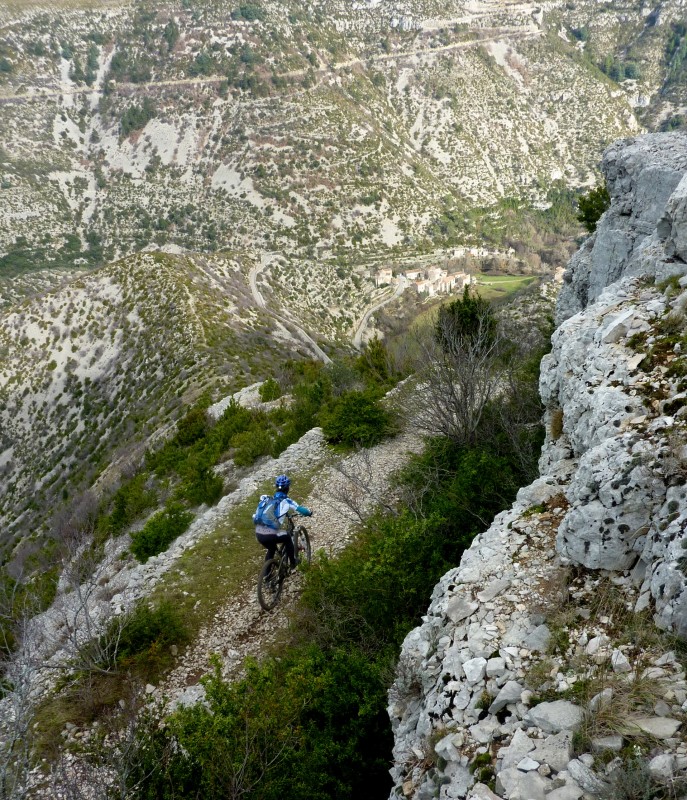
(266, 512)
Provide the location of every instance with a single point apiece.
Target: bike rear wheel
(303, 549)
(270, 584)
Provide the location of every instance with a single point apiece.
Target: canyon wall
(492, 692)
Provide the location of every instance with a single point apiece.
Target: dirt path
(38, 94)
(241, 628)
(301, 333)
(360, 330)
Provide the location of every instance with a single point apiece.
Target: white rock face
(641, 174)
(613, 483)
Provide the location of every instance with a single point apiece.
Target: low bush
(204, 486)
(270, 390)
(127, 505)
(148, 633)
(251, 444)
(356, 419)
(160, 531)
(592, 205)
(306, 728)
(136, 117)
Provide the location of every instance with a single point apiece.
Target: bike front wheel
(270, 584)
(303, 549)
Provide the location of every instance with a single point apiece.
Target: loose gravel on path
(241, 628)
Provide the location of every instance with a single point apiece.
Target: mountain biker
(285, 507)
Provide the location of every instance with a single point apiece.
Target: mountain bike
(275, 571)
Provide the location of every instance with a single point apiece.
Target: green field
(496, 287)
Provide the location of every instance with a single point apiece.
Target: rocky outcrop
(645, 228)
(623, 434)
(519, 682)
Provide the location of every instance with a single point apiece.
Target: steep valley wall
(520, 681)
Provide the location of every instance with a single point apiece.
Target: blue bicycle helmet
(282, 483)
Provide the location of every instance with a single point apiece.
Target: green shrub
(160, 531)
(632, 71)
(356, 419)
(311, 727)
(470, 318)
(193, 426)
(251, 444)
(203, 64)
(128, 503)
(249, 12)
(136, 117)
(148, 631)
(375, 364)
(592, 205)
(270, 390)
(171, 33)
(673, 123)
(204, 486)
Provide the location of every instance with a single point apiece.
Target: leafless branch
(458, 375)
(356, 493)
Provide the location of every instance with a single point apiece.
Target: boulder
(662, 767)
(482, 792)
(459, 609)
(516, 785)
(619, 662)
(555, 750)
(538, 640)
(571, 791)
(585, 777)
(556, 716)
(613, 743)
(510, 693)
(520, 745)
(475, 669)
(659, 727)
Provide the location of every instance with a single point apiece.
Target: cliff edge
(545, 666)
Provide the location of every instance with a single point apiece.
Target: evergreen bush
(147, 632)
(356, 419)
(270, 390)
(592, 205)
(160, 531)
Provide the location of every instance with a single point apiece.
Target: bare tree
(357, 491)
(91, 628)
(81, 625)
(459, 371)
(18, 692)
(109, 764)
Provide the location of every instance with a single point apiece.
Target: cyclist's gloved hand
(306, 512)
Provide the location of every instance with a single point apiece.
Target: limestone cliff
(522, 679)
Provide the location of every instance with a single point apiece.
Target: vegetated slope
(98, 364)
(331, 133)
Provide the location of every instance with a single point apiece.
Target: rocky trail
(241, 628)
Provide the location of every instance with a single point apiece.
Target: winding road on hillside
(491, 35)
(289, 323)
(360, 330)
